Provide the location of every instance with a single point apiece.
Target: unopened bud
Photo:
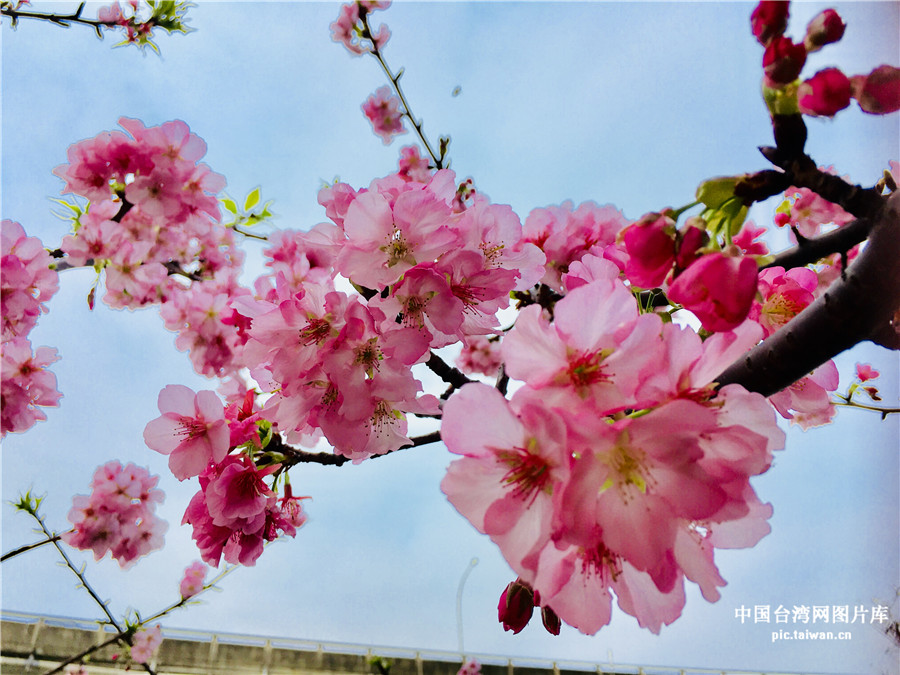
(878, 92)
(769, 20)
(516, 606)
(824, 94)
(783, 61)
(826, 27)
(550, 620)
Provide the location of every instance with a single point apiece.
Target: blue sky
(631, 104)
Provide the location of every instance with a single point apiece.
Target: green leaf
(229, 205)
(716, 191)
(252, 200)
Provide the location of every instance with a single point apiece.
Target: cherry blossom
(866, 372)
(383, 110)
(27, 385)
(193, 580)
(718, 289)
(807, 402)
(118, 516)
(27, 280)
(145, 644)
(192, 430)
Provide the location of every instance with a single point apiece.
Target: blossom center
(316, 331)
(586, 369)
(628, 466)
(528, 473)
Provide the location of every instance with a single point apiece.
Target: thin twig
(29, 547)
(395, 81)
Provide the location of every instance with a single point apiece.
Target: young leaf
(252, 200)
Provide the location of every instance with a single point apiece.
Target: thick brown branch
(811, 250)
(856, 307)
(447, 373)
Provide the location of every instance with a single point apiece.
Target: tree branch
(856, 307)
(811, 250)
(447, 373)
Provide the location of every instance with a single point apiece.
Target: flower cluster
(383, 110)
(26, 284)
(236, 513)
(138, 30)
(828, 91)
(152, 226)
(145, 643)
(352, 29)
(716, 285)
(431, 275)
(616, 429)
(118, 516)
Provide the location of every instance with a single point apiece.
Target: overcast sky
(630, 104)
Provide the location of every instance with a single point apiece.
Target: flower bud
(769, 20)
(516, 606)
(783, 62)
(550, 620)
(825, 93)
(826, 27)
(650, 243)
(878, 92)
(692, 239)
(718, 288)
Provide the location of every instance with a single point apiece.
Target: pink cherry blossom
(383, 110)
(192, 430)
(479, 355)
(511, 469)
(145, 644)
(470, 667)
(784, 294)
(27, 386)
(193, 580)
(566, 234)
(598, 348)
(118, 516)
(718, 289)
(650, 243)
(748, 239)
(866, 372)
(412, 165)
(810, 212)
(27, 280)
(807, 402)
(234, 527)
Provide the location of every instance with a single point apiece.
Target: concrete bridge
(33, 644)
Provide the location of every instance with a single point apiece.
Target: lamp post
(459, 592)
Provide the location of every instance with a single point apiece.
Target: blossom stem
(75, 570)
(249, 235)
(123, 635)
(29, 547)
(80, 655)
(860, 305)
(407, 111)
(62, 20)
(447, 373)
(884, 412)
(424, 439)
(840, 240)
